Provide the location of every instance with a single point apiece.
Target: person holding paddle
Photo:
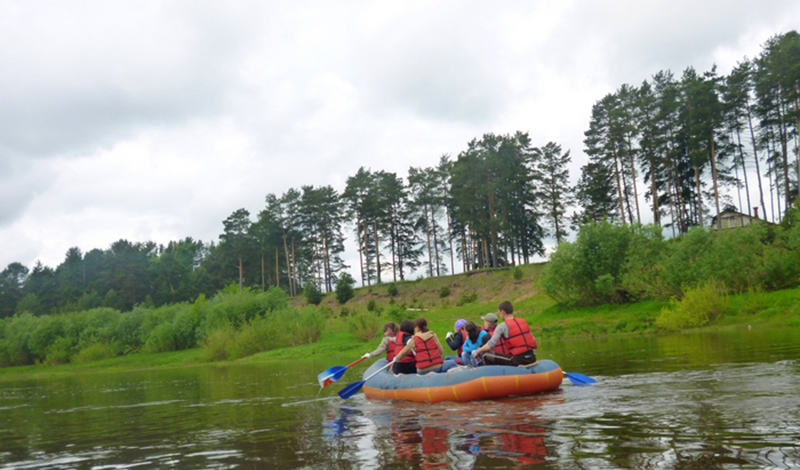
(513, 337)
(427, 350)
(387, 345)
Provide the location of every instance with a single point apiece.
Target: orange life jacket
(390, 349)
(428, 353)
(520, 340)
(399, 345)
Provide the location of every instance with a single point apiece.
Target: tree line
(491, 206)
(683, 145)
(679, 142)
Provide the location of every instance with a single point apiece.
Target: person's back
(405, 364)
(512, 342)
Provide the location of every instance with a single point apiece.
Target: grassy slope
(547, 319)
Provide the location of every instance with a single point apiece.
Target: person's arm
(382, 348)
(408, 348)
(455, 341)
(498, 333)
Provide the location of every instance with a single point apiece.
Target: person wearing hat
(456, 340)
(512, 342)
(489, 322)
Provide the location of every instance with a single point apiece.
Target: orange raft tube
(463, 383)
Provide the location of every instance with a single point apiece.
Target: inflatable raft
(463, 383)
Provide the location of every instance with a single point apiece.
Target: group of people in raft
(417, 350)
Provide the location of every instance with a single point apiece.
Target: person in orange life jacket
(387, 343)
(476, 337)
(426, 347)
(512, 342)
(406, 364)
(456, 341)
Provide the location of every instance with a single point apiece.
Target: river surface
(699, 401)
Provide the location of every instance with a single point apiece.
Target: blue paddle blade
(330, 376)
(350, 390)
(579, 379)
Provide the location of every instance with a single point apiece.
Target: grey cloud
(78, 88)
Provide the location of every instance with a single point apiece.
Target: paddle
(579, 379)
(335, 373)
(354, 387)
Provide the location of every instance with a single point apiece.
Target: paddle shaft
(378, 371)
(355, 362)
(354, 387)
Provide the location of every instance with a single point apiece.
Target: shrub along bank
(615, 264)
(231, 325)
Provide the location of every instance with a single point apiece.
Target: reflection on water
(454, 435)
(689, 402)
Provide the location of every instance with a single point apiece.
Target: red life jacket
(399, 345)
(390, 349)
(500, 347)
(520, 340)
(428, 354)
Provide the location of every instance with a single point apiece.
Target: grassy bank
(442, 307)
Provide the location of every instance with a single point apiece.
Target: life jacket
(390, 349)
(428, 354)
(520, 340)
(500, 347)
(399, 345)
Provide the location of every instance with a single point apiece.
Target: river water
(697, 401)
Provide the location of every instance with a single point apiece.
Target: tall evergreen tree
(554, 192)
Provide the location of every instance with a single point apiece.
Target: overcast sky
(154, 121)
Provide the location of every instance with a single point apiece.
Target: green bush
(396, 314)
(467, 298)
(257, 336)
(365, 327)
(391, 289)
(312, 293)
(444, 292)
(218, 342)
(161, 339)
(699, 307)
(371, 305)
(304, 327)
(95, 352)
(517, 273)
(589, 271)
(59, 352)
(128, 329)
(344, 288)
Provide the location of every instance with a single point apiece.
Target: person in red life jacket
(427, 350)
(406, 363)
(456, 341)
(512, 342)
(387, 343)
